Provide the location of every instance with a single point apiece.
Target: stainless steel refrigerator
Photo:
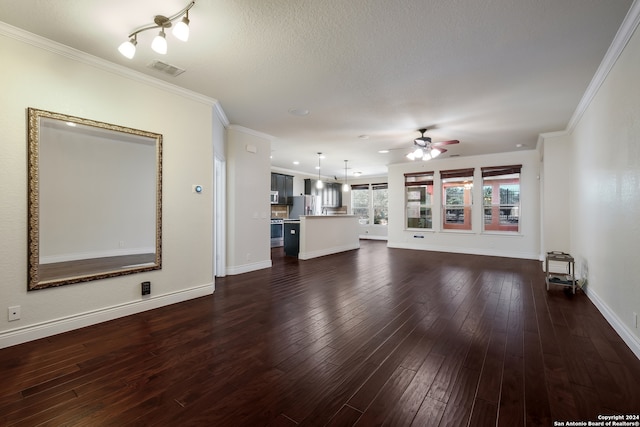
(305, 205)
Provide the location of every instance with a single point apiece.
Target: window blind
(500, 170)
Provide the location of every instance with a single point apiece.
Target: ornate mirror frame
(116, 195)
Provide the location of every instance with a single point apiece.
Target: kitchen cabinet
(292, 238)
(283, 184)
(330, 194)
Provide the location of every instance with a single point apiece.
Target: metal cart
(567, 279)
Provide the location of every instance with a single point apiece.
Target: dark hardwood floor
(375, 336)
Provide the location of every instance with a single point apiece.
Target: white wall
(248, 204)
(605, 195)
(556, 192)
(40, 74)
(525, 244)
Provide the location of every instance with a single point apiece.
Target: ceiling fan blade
(453, 141)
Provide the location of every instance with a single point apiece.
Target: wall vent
(165, 68)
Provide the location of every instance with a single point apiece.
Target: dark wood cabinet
(288, 189)
(283, 184)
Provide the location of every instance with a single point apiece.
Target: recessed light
(295, 162)
(298, 111)
(383, 151)
(519, 145)
(357, 173)
(71, 124)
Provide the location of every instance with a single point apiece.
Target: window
(501, 198)
(367, 199)
(419, 199)
(360, 202)
(457, 200)
(380, 203)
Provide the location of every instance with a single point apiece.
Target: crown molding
(624, 34)
(248, 131)
(85, 58)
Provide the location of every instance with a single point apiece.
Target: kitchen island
(321, 235)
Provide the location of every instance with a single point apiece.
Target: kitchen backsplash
(279, 211)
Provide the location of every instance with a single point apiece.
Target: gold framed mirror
(94, 200)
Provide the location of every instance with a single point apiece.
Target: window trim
(419, 179)
(467, 225)
(496, 171)
(370, 187)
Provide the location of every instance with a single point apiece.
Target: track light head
(128, 48)
(181, 30)
(159, 44)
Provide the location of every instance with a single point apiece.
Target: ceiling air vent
(165, 68)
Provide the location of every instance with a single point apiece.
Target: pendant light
(319, 183)
(345, 186)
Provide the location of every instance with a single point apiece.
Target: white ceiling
(492, 74)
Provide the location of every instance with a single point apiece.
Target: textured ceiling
(492, 74)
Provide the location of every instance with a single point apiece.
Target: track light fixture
(159, 44)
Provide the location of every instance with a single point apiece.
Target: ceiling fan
(427, 150)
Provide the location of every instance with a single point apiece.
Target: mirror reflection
(94, 200)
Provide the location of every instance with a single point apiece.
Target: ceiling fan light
(181, 30)
(411, 156)
(418, 153)
(159, 44)
(426, 157)
(435, 153)
(128, 48)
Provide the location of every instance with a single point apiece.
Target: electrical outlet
(146, 288)
(14, 313)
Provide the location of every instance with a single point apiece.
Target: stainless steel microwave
(274, 197)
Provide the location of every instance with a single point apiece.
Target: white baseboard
(246, 268)
(625, 333)
(77, 321)
(470, 251)
(328, 251)
(372, 237)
